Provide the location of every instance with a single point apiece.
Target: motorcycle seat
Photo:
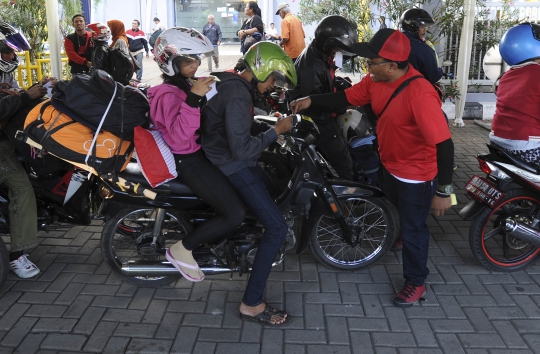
(519, 163)
(171, 187)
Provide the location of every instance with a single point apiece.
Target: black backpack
(85, 99)
(122, 66)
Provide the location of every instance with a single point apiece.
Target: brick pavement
(77, 305)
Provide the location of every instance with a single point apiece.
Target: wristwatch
(446, 189)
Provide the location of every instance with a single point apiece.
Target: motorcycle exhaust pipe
(522, 232)
(152, 269)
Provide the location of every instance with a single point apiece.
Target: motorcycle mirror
(447, 63)
(493, 63)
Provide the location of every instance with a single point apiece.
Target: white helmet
(100, 31)
(354, 124)
(179, 43)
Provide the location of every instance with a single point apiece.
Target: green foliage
(451, 90)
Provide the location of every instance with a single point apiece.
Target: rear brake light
(484, 166)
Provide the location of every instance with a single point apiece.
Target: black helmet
(412, 19)
(336, 32)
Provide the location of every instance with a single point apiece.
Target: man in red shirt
(79, 46)
(415, 145)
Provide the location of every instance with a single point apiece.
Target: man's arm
(219, 34)
(145, 44)
(284, 33)
(445, 163)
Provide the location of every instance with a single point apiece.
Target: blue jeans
(139, 58)
(252, 190)
(413, 201)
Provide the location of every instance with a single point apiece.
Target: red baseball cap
(387, 43)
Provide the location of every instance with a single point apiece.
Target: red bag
(154, 157)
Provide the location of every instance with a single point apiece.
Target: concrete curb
(473, 110)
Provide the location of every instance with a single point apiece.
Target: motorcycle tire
(128, 237)
(372, 225)
(489, 243)
(276, 167)
(4, 263)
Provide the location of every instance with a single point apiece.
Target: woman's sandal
(265, 317)
(179, 265)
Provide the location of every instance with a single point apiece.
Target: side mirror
(447, 63)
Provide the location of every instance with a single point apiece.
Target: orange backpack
(99, 152)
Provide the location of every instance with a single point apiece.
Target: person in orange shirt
(292, 33)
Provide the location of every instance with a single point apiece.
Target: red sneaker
(397, 246)
(409, 295)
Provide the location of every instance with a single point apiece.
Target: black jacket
(231, 138)
(100, 57)
(314, 77)
(422, 58)
(10, 106)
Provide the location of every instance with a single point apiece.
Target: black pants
(334, 148)
(211, 185)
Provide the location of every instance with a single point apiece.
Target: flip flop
(265, 317)
(179, 265)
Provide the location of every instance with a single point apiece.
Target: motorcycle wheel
(492, 246)
(4, 263)
(372, 226)
(276, 167)
(128, 237)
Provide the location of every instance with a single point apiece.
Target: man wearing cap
(415, 145)
(292, 33)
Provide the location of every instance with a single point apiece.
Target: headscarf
(118, 30)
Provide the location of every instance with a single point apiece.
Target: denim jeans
(22, 201)
(139, 58)
(413, 201)
(252, 190)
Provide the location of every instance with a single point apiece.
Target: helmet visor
(283, 71)
(18, 42)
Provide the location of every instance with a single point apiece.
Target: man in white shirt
(159, 25)
(271, 33)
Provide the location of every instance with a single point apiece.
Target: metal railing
(27, 73)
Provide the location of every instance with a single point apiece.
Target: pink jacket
(174, 118)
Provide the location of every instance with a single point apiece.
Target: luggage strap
(99, 127)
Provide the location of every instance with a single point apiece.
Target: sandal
(266, 316)
(179, 265)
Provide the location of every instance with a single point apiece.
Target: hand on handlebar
(300, 104)
(36, 91)
(283, 125)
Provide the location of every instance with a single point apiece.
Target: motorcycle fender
(355, 189)
(471, 210)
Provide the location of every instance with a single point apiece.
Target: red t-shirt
(518, 104)
(410, 127)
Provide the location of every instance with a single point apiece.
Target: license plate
(483, 191)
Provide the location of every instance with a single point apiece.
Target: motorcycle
(346, 224)
(505, 210)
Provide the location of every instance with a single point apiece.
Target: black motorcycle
(505, 210)
(347, 225)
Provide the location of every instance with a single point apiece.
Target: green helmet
(265, 58)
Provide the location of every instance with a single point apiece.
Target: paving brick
(527, 305)
(186, 306)
(302, 287)
(344, 310)
(60, 341)
(79, 306)
(202, 320)
(503, 313)
(115, 302)
(7, 300)
(509, 335)
(154, 313)
(294, 304)
(20, 329)
(173, 294)
(396, 319)
(499, 295)
(204, 348)
(476, 340)
(452, 326)
(135, 330)
(46, 311)
(142, 299)
(393, 339)
(81, 239)
(450, 306)
(127, 289)
(376, 289)
(305, 336)
(123, 315)
(89, 320)
(31, 343)
(449, 274)
(272, 341)
(38, 298)
(450, 344)
(522, 289)
(368, 324)
(52, 325)
(231, 317)
(69, 294)
(337, 330)
(324, 349)
(235, 348)
(116, 345)
(372, 306)
(91, 289)
(328, 282)
(314, 317)
(34, 286)
(526, 326)
(423, 333)
(295, 349)
(349, 293)
(474, 286)
(52, 272)
(12, 316)
(137, 345)
(185, 340)
(168, 326)
(361, 343)
(533, 341)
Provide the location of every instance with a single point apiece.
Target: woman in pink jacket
(175, 113)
